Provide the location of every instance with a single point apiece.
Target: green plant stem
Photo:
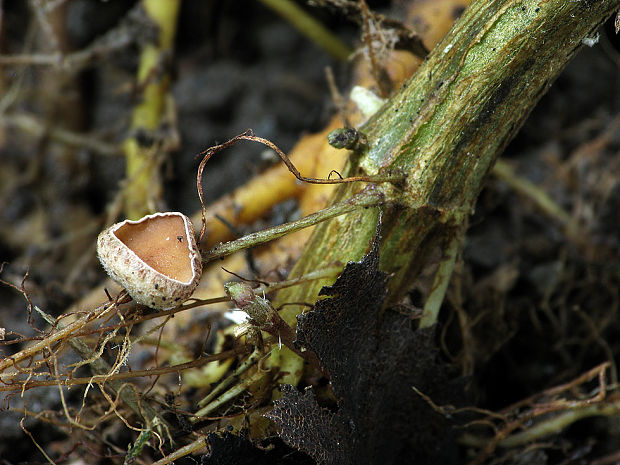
(440, 283)
(330, 271)
(229, 395)
(367, 198)
(444, 129)
(310, 27)
(225, 383)
(194, 446)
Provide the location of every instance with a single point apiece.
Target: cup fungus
(155, 258)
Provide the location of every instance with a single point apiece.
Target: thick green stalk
(445, 128)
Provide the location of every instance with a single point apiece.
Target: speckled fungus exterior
(155, 258)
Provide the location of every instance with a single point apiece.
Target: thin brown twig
(367, 37)
(537, 409)
(40, 128)
(127, 374)
(249, 135)
(247, 280)
(337, 98)
(63, 333)
(22, 290)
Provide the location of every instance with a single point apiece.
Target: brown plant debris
(374, 363)
(381, 32)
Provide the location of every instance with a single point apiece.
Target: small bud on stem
(347, 138)
(266, 318)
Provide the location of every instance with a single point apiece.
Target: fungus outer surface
(156, 259)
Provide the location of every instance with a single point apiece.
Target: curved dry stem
(249, 135)
(53, 338)
(126, 374)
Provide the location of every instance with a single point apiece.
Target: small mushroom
(155, 258)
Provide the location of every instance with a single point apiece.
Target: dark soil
(545, 306)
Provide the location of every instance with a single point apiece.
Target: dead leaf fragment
(373, 367)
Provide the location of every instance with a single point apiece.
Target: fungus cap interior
(162, 243)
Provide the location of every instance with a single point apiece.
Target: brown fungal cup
(155, 258)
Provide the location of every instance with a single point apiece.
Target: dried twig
(249, 135)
